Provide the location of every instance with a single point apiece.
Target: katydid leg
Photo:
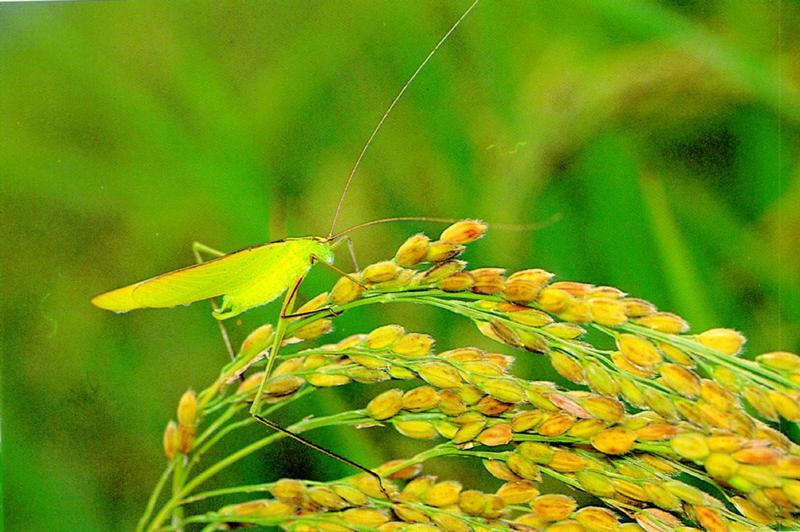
(199, 249)
(280, 333)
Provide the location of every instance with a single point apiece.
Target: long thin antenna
(388, 111)
(503, 227)
(393, 219)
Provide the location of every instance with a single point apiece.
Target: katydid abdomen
(245, 279)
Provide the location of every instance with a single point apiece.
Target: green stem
(151, 502)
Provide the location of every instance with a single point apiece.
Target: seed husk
(638, 308)
(608, 312)
(386, 405)
(661, 497)
(324, 380)
(313, 330)
(685, 492)
(680, 379)
(442, 270)
(780, 360)
(414, 345)
(600, 380)
(710, 519)
(257, 341)
(410, 514)
(760, 402)
(171, 440)
(665, 322)
(567, 462)
(499, 434)
(420, 399)
(326, 497)
(450, 522)
(416, 429)
(367, 517)
(412, 251)
(517, 491)
(614, 441)
(383, 337)
(187, 408)
(553, 300)
(290, 490)
(353, 496)
(457, 282)
(345, 290)
(523, 467)
(586, 428)
(757, 455)
(604, 408)
(596, 483)
(283, 385)
(691, 446)
(597, 519)
(499, 469)
(526, 420)
(440, 374)
(556, 424)
(554, 506)
(787, 407)
(567, 367)
(488, 280)
(721, 466)
(451, 404)
(725, 341)
(577, 311)
(464, 231)
(469, 431)
(443, 493)
(638, 350)
(472, 502)
(489, 406)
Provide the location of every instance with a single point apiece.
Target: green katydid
(258, 275)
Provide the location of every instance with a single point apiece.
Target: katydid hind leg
(327, 452)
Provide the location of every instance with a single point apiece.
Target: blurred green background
(659, 140)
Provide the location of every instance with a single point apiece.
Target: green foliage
(661, 138)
